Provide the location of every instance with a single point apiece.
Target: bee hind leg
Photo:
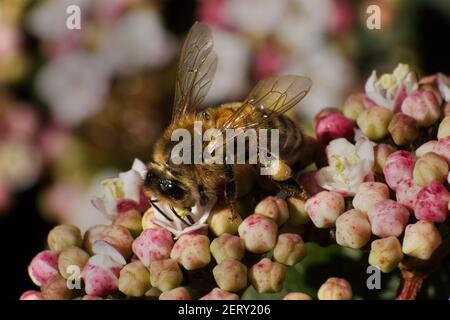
(292, 188)
(230, 190)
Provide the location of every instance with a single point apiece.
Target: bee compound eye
(172, 189)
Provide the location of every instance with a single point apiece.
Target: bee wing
(271, 96)
(196, 70)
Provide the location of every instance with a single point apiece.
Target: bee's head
(163, 184)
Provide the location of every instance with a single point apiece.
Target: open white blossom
(349, 166)
(74, 86)
(390, 89)
(122, 192)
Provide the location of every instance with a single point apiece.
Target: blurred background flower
(77, 106)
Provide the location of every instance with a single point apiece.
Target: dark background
(23, 230)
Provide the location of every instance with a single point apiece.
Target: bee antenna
(159, 210)
(176, 215)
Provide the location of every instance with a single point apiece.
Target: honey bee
(185, 185)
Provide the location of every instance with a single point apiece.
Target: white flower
(123, 191)
(304, 25)
(230, 81)
(255, 16)
(349, 166)
(74, 86)
(181, 221)
(47, 20)
(137, 40)
(390, 89)
(329, 71)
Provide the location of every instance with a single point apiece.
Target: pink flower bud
(430, 167)
(165, 274)
(335, 289)
(130, 219)
(333, 126)
(69, 257)
(259, 233)
(267, 276)
(134, 279)
(55, 288)
(368, 194)
(353, 229)
(100, 275)
(382, 152)
(296, 296)
(219, 294)
(421, 239)
(353, 106)
(324, 208)
(31, 295)
(92, 234)
(444, 128)
(119, 237)
(64, 236)
(442, 148)
(274, 208)
(153, 244)
(406, 193)
(403, 129)
(388, 218)
(191, 251)
(222, 220)
(325, 112)
(230, 275)
(399, 166)
(432, 203)
(297, 211)
(374, 122)
(43, 266)
(290, 249)
(425, 148)
(386, 254)
(179, 293)
(422, 106)
(227, 246)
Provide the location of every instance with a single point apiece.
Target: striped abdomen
(290, 138)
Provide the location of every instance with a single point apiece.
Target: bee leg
(292, 188)
(230, 189)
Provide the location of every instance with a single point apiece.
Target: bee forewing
(196, 69)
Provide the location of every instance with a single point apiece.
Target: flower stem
(410, 284)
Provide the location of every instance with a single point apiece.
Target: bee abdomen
(290, 138)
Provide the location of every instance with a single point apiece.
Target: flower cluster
(375, 185)
(398, 184)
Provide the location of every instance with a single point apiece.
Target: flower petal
(140, 167)
(364, 150)
(131, 184)
(341, 147)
